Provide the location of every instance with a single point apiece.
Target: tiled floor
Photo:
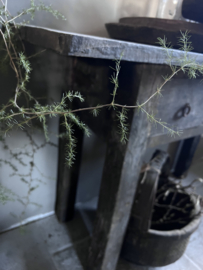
(49, 245)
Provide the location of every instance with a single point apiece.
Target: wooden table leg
(120, 176)
(67, 179)
(122, 168)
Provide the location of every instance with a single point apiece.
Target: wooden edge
(80, 45)
(165, 138)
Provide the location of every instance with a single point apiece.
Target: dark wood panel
(95, 47)
(147, 30)
(192, 10)
(67, 178)
(178, 96)
(119, 181)
(165, 138)
(91, 78)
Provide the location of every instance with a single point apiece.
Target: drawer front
(181, 105)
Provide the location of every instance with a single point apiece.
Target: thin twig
(36, 54)
(172, 207)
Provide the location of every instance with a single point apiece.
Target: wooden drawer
(180, 97)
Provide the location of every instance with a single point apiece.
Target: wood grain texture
(119, 181)
(176, 94)
(157, 140)
(147, 30)
(91, 79)
(67, 178)
(123, 162)
(95, 47)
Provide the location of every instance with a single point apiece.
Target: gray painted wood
(91, 79)
(67, 178)
(147, 30)
(177, 94)
(157, 140)
(95, 47)
(119, 181)
(120, 175)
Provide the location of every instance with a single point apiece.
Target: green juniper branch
(164, 125)
(114, 78)
(123, 126)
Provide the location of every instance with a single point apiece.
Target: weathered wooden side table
(141, 73)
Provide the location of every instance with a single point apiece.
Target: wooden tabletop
(79, 45)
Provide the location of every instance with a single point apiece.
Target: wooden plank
(67, 179)
(95, 47)
(147, 30)
(91, 79)
(165, 138)
(184, 157)
(120, 175)
(119, 181)
(177, 94)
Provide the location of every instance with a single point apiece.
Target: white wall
(90, 16)
(83, 16)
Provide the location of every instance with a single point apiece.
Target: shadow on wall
(29, 163)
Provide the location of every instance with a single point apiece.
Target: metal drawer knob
(183, 111)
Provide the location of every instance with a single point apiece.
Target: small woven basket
(155, 247)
